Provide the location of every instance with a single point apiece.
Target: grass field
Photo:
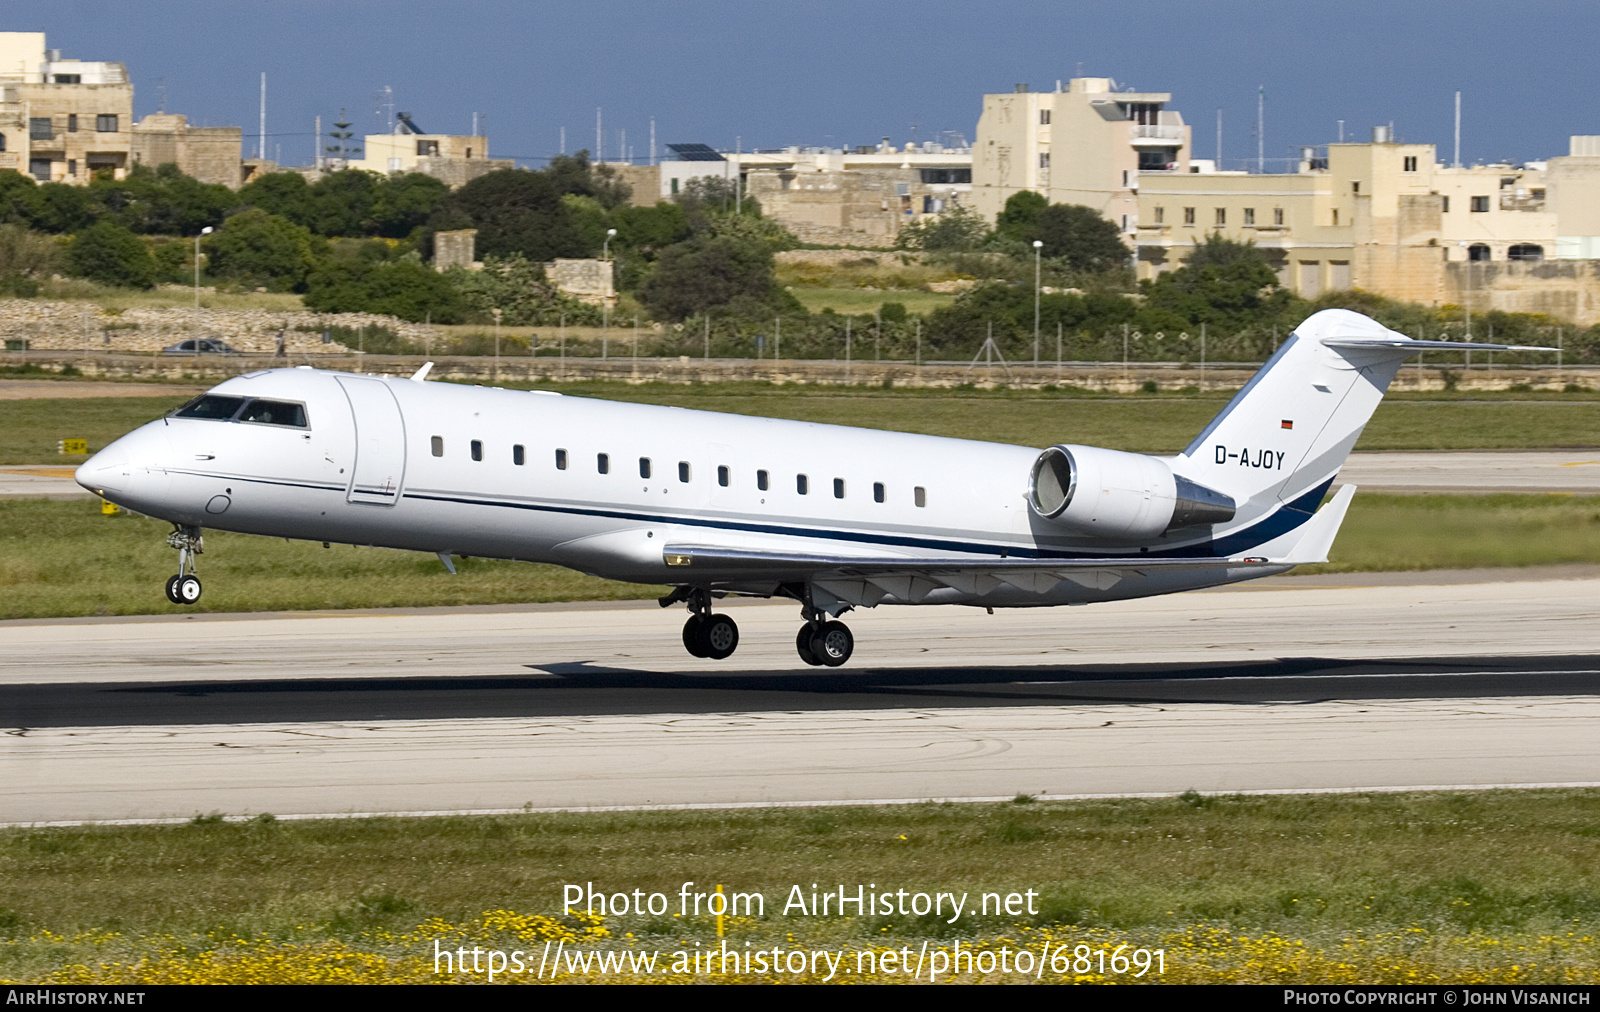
(1497, 886)
(65, 558)
(29, 429)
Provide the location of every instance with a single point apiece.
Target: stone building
(209, 154)
(453, 159)
(861, 196)
(1086, 143)
(1383, 217)
(62, 120)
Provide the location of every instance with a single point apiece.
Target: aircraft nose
(114, 469)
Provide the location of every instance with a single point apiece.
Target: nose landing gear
(184, 588)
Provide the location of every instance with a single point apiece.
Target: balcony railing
(1162, 132)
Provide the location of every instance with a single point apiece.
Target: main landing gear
(823, 641)
(714, 637)
(184, 588)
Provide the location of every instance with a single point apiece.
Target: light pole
(605, 298)
(1038, 248)
(196, 327)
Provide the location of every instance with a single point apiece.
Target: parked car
(199, 346)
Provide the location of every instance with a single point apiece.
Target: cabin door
(380, 466)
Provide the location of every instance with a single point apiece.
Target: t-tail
(1285, 435)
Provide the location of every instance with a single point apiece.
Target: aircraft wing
(913, 578)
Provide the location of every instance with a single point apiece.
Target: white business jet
(712, 504)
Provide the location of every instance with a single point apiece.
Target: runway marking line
(42, 472)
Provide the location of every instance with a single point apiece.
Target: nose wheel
(184, 588)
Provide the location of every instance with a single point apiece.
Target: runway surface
(1285, 685)
(1476, 472)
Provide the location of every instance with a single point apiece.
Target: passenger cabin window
(919, 495)
(683, 471)
(877, 491)
(438, 446)
(801, 484)
(602, 463)
(723, 476)
(477, 449)
(644, 467)
(838, 488)
(213, 406)
(516, 455)
(561, 460)
(265, 412)
(761, 480)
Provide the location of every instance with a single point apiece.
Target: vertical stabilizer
(1290, 428)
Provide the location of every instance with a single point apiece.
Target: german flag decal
(1287, 423)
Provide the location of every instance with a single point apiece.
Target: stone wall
(588, 281)
(66, 326)
(457, 172)
(1108, 377)
(1567, 290)
(457, 248)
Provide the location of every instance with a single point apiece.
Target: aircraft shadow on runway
(580, 688)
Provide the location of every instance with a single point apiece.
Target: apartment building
(1383, 216)
(1084, 143)
(455, 159)
(62, 120)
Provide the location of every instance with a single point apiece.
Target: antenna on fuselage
(421, 375)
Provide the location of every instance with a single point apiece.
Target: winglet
(421, 375)
(1321, 529)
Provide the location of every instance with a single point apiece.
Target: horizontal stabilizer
(1358, 343)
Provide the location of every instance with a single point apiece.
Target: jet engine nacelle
(1126, 496)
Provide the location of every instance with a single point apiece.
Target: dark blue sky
(845, 71)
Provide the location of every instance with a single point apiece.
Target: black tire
(691, 636)
(172, 589)
(718, 637)
(188, 588)
(832, 643)
(802, 646)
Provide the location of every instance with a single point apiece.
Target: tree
(1223, 283)
(958, 230)
(19, 199)
(286, 194)
(1020, 217)
(405, 201)
(110, 254)
(344, 203)
(515, 211)
(407, 288)
(708, 271)
(162, 201)
(1081, 238)
(262, 249)
(517, 287)
(25, 254)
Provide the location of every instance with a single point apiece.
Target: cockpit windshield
(256, 410)
(265, 412)
(214, 406)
